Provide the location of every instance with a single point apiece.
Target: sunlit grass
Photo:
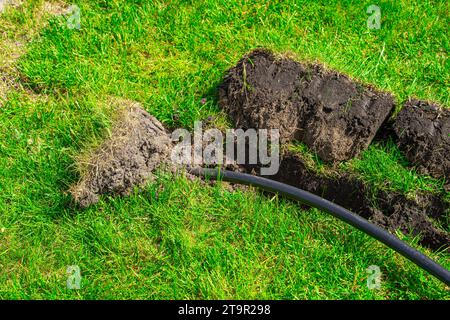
(179, 239)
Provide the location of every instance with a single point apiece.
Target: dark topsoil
(423, 134)
(335, 116)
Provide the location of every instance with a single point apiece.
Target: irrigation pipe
(337, 211)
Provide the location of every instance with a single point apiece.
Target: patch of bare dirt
(56, 8)
(9, 3)
(423, 133)
(11, 50)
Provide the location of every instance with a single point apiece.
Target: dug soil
(423, 133)
(338, 118)
(334, 115)
(137, 146)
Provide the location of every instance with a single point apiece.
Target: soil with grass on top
(334, 115)
(261, 92)
(423, 133)
(137, 146)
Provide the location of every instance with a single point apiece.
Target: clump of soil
(335, 116)
(55, 8)
(390, 210)
(413, 217)
(260, 92)
(341, 117)
(423, 134)
(338, 118)
(137, 146)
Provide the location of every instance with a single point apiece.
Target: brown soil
(261, 92)
(137, 146)
(423, 134)
(335, 116)
(341, 116)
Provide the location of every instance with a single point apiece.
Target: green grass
(178, 239)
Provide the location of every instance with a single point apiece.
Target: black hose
(337, 211)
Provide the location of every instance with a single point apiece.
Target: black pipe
(337, 211)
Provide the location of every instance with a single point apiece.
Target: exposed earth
(423, 134)
(390, 210)
(334, 115)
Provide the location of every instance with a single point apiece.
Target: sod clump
(423, 133)
(137, 146)
(332, 114)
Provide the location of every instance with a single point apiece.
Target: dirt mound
(338, 118)
(423, 134)
(335, 116)
(138, 145)
(341, 117)
(261, 92)
(390, 210)
(412, 217)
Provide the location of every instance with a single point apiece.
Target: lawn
(177, 239)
